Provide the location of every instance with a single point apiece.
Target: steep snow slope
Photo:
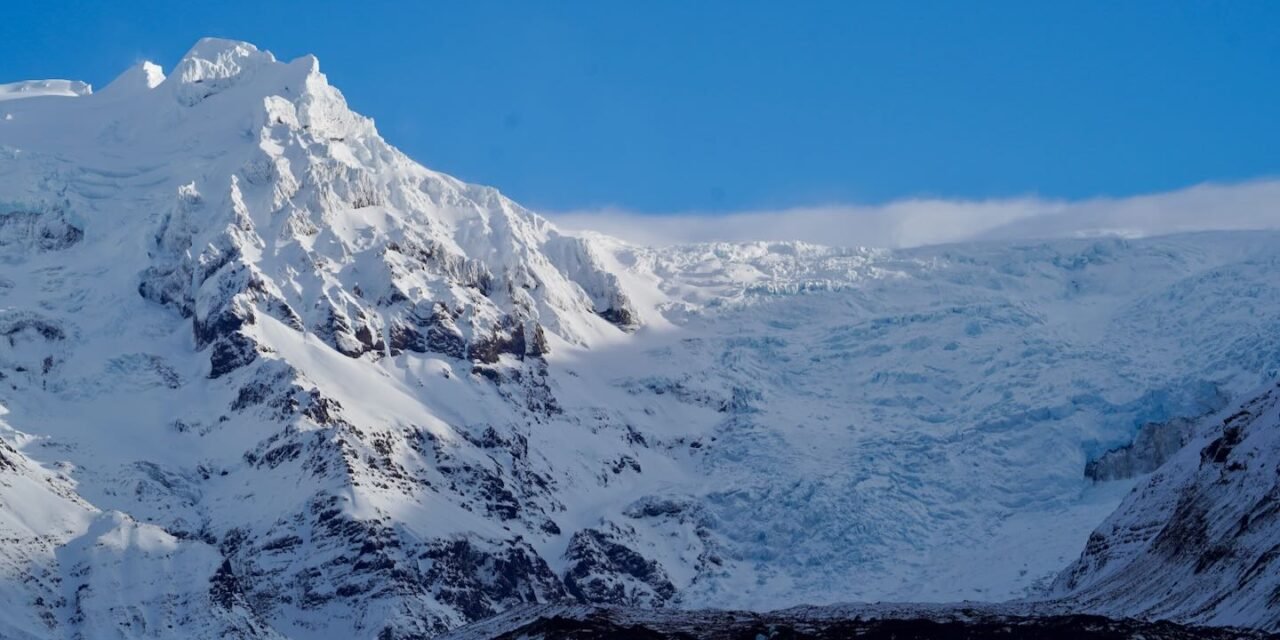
(1198, 540)
(267, 364)
(104, 573)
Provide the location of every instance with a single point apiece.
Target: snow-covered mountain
(264, 376)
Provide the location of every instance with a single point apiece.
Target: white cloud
(906, 223)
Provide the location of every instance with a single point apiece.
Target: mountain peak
(214, 65)
(216, 49)
(143, 76)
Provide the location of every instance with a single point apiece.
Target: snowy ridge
(41, 88)
(290, 383)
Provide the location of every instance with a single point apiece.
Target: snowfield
(264, 376)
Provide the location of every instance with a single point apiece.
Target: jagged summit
(281, 151)
(143, 76)
(213, 49)
(214, 65)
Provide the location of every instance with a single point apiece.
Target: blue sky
(717, 107)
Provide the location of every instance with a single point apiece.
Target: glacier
(264, 376)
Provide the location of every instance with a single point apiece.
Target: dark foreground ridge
(870, 623)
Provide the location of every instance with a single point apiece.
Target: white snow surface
(42, 88)
(767, 424)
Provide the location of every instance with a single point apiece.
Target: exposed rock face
(1155, 443)
(604, 570)
(32, 231)
(1200, 540)
(481, 583)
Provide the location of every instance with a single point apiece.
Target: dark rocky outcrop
(15, 323)
(38, 231)
(434, 333)
(1154, 443)
(621, 317)
(509, 337)
(603, 570)
(479, 582)
(959, 623)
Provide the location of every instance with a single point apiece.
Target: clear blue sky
(709, 106)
